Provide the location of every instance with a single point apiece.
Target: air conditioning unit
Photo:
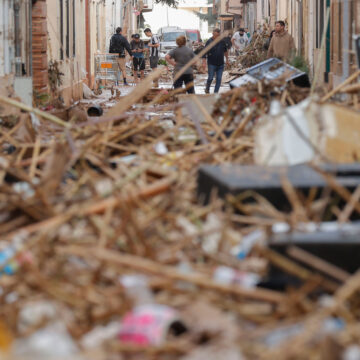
(146, 5)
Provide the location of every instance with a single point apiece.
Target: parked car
(166, 29)
(193, 36)
(168, 41)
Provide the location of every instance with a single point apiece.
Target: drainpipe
(121, 13)
(87, 30)
(346, 39)
(18, 70)
(30, 55)
(301, 25)
(328, 45)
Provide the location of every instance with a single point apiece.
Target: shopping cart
(106, 70)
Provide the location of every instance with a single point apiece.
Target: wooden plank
(318, 264)
(148, 266)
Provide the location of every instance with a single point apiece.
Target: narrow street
(166, 218)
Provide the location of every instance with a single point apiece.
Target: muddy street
(165, 218)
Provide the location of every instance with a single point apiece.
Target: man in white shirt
(154, 45)
(240, 41)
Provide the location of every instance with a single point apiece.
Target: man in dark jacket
(118, 44)
(215, 59)
(137, 48)
(228, 42)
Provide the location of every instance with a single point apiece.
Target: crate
(267, 181)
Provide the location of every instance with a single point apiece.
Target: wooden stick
(318, 264)
(191, 108)
(349, 208)
(294, 200)
(322, 52)
(340, 87)
(174, 347)
(355, 88)
(242, 126)
(293, 268)
(38, 112)
(148, 266)
(9, 138)
(209, 118)
(147, 192)
(140, 90)
(227, 118)
(35, 157)
(102, 120)
(338, 188)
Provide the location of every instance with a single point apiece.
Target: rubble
(107, 249)
(308, 132)
(255, 52)
(272, 69)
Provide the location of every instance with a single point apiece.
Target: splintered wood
(85, 205)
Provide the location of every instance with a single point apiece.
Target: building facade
(48, 46)
(76, 32)
(323, 30)
(15, 47)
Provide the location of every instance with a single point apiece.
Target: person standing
(268, 41)
(154, 46)
(282, 44)
(240, 41)
(137, 48)
(179, 57)
(215, 60)
(118, 45)
(228, 41)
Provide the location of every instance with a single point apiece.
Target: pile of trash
(255, 52)
(239, 108)
(127, 236)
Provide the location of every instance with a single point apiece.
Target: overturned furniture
(269, 181)
(333, 242)
(272, 69)
(307, 132)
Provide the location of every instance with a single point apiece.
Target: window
(172, 36)
(61, 30)
(340, 19)
(67, 28)
(320, 21)
(74, 28)
(97, 26)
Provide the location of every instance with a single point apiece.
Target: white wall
(186, 19)
(7, 33)
(7, 36)
(113, 17)
(262, 11)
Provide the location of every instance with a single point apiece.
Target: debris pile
(255, 52)
(109, 248)
(242, 106)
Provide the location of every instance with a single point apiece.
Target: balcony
(145, 5)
